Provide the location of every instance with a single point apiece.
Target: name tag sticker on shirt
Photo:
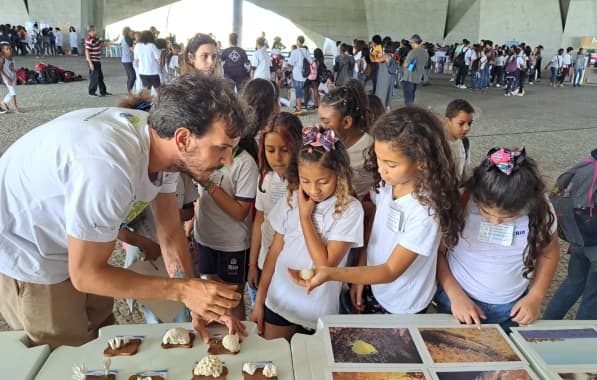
(500, 234)
(395, 219)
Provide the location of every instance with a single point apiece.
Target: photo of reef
(373, 345)
(467, 345)
(516, 374)
(378, 376)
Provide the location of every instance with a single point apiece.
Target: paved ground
(557, 126)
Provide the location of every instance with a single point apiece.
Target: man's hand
(210, 299)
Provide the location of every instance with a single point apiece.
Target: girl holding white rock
(417, 208)
(316, 226)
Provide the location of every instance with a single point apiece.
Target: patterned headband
(312, 136)
(507, 161)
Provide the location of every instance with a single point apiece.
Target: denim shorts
(495, 313)
(298, 88)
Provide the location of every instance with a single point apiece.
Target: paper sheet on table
(166, 311)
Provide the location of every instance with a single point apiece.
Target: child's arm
(528, 308)
(398, 262)
(266, 278)
(252, 278)
(322, 255)
(463, 308)
(356, 290)
(235, 208)
(151, 249)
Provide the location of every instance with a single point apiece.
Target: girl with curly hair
(509, 234)
(314, 227)
(417, 208)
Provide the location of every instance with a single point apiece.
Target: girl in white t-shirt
(418, 206)
(316, 225)
(509, 236)
(278, 143)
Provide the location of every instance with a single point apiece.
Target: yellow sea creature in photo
(361, 347)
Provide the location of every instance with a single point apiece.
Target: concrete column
(237, 20)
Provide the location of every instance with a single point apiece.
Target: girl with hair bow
(315, 226)
(509, 234)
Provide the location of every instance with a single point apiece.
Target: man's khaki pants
(56, 314)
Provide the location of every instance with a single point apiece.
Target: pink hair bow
(316, 137)
(507, 161)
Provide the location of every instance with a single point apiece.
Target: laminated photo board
(380, 373)
(551, 349)
(468, 346)
(516, 372)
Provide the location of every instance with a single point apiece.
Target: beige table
(18, 360)
(151, 356)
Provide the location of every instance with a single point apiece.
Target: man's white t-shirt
(296, 61)
(275, 188)
(491, 270)
(284, 297)
(262, 62)
(214, 228)
(468, 56)
(148, 57)
(362, 179)
(79, 175)
(407, 223)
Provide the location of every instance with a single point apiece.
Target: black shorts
(277, 320)
(231, 267)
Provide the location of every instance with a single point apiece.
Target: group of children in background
(388, 206)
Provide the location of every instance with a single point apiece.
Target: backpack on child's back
(574, 198)
(511, 66)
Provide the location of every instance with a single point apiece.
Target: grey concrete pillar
(237, 20)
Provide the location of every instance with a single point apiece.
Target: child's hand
(253, 278)
(356, 296)
(526, 310)
(320, 276)
(257, 317)
(235, 327)
(199, 326)
(305, 204)
(466, 310)
(151, 251)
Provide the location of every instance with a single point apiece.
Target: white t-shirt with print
(362, 180)
(567, 61)
(491, 271)
(284, 297)
(407, 223)
(148, 57)
(186, 192)
(214, 228)
(275, 188)
(78, 175)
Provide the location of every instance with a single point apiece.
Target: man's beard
(182, 167)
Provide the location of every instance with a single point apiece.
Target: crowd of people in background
(383, 184)
(47, 41)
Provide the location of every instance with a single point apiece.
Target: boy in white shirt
(458, 122)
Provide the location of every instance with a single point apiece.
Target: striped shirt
(94, 47)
